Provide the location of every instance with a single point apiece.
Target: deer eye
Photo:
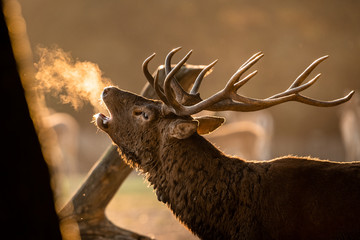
(143, 114)
(138, 112)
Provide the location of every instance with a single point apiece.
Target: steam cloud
(74, 82)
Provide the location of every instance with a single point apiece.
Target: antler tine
(200, 77)
(239, 84)
(294, 97)
(250, 59)
(235, 78)
(167, 83)
(180, 93)
(168, 59)
(153, 82)
(146, 70)
(307, 72)
(298, 89)
(317, 103)
(158, 89)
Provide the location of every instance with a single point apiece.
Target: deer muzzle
(102, 121)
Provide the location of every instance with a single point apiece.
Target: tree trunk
(28, 210)
(87, 207)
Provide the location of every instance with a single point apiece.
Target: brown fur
(221, 197)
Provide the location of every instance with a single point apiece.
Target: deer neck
(190, 172)
(179, 160)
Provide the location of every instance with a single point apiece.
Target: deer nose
(106, 91)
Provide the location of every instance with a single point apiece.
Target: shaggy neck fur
(219, 197)
(204, 188)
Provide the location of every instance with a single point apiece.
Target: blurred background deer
(350, 129)
(67, 132)
(245, 135)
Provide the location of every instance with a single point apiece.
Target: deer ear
(182, 129)
(207, 124)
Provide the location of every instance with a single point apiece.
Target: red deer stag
(222, 197)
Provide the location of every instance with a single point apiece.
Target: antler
(180, 102)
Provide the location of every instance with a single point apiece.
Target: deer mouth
(102, 121)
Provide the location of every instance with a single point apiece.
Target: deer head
(139, 126)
